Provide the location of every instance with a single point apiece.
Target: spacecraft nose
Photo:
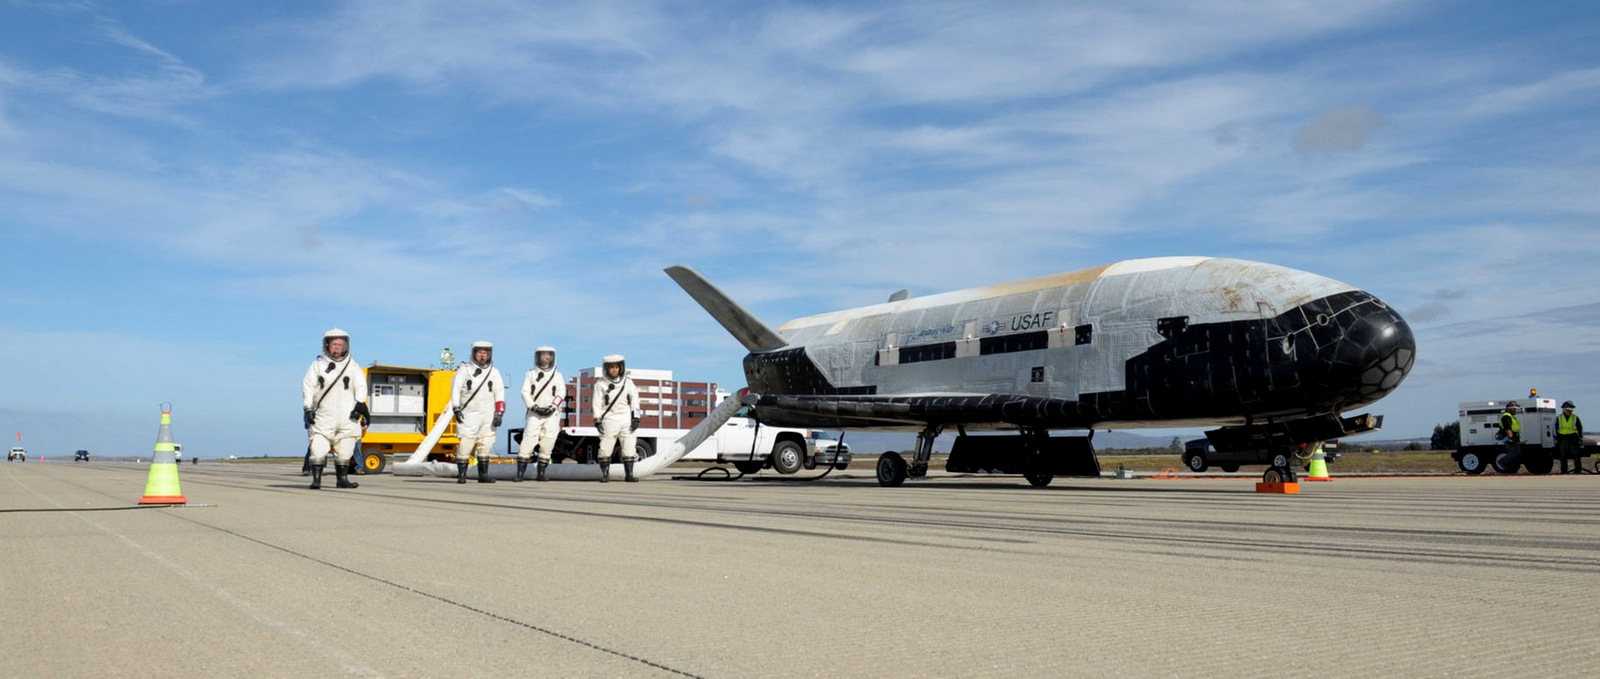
(1376, 350)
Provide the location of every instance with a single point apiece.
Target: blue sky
(192, 192)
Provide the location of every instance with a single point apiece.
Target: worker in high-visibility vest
(1569, 437)
(1510, 435)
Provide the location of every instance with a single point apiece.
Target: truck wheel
(643, 448)
(1471, 463)
(891, 470)
(810, 462)
(1195, 462)
(1538, 463)
(787, 457)
(371, 462)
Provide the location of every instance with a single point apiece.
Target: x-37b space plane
(1271, 355)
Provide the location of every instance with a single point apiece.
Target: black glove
(460, 417)
(361, 414)
(633, 426)
(310, 418)
(543, 411)
(599, 429)
(497, 419)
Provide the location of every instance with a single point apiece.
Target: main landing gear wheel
(891, 470)
(787, 457)
(1472, 463)
(1039, 480)
(1280, 461)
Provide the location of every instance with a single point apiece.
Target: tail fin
(746, 328)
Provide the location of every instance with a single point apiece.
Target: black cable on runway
(491, 614)
(81, 509)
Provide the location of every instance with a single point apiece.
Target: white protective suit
(614, 404)
(542, 389)
(331, 389)
(476, 426)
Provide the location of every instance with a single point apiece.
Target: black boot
(305, 467)
(483, 472)
(343, 470)
(316, 477)
(605, 471)
(461, 472)
(627, 467)
(522, 469)
(543, 466)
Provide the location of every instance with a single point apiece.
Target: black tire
(1039, 480)
(810, 462)
(1538, 464)
(748, 466)
(1273, 475)
(643, 448)
(371, 462)
(891, 470)
(787, 457)
(1195, 462)
(1501, 468)
(1472, 463)
(1229, 468)
(1280, 461)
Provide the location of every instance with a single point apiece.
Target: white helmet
(332, 335)
(486, 346)
(544, 350)
(614, 359)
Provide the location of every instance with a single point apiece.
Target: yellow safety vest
(1516, 426)
(1566, 424)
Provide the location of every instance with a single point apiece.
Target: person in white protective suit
(616, 415)
(334, 396)
(478, 397)
(543, 390)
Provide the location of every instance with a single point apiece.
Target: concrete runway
(420, 577)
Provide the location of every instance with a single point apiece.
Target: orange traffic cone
(162, 486)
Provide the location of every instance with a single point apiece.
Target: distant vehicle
(1480, 422)
(17, 455)
(1198, 456)
(177, 449)
(825, 447)
(80, 456)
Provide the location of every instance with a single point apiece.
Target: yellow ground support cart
(405, 403)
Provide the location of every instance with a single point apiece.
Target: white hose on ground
(418, 465)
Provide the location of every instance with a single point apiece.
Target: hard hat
(332, 335)
(486, 346)
(1568, 404)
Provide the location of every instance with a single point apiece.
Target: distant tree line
(1446, 436)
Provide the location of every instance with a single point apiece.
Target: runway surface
(420, 577)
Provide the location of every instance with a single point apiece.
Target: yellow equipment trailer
(405, 403)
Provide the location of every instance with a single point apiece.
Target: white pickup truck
(17, 455)
(739, 442)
